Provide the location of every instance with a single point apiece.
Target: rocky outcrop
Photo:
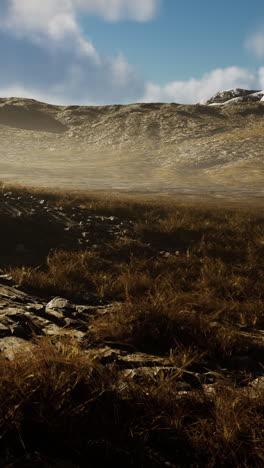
(25, 318)
(234, 96)
(53, 226)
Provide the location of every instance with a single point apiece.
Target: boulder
(59, 303)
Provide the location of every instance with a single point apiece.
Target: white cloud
(193, 90)
(50, 31)
(56, 18)
(47, 57)
(255, 43)
(115, 81)
(51, 23)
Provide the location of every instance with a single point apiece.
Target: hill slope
(217, 146)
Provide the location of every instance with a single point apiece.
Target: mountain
(216, 145)
(234, 95)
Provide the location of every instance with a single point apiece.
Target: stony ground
(24, 317)
(93, 376)
(57, 227)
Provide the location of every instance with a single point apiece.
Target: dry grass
(60, 404)
(207, 299)
(191, 305)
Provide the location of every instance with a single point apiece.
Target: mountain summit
(233, 96)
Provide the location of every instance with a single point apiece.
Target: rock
(59, 303)
(4, 330)
(13, 294)
(24, 316)
(234, 95)
(36, 308)
(11, 346)
(143, 374)
(258, 383)
(55, 315)
(255, 97)
(6, 279)
(165, 254)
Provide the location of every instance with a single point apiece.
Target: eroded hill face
(150, 147)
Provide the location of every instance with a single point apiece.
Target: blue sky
(119, 51)
(186, 38)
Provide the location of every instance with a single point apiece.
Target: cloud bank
(194, 90)
(58, 18)
(46, 56)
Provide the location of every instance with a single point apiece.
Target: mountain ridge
(156, 143)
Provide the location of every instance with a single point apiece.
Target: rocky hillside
(234, 96)
(217, 144)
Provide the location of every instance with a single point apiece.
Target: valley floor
(131, 330)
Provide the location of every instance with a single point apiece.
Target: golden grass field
(186, 285)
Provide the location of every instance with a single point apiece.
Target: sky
(96, 52)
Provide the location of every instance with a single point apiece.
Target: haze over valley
(153, 147)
